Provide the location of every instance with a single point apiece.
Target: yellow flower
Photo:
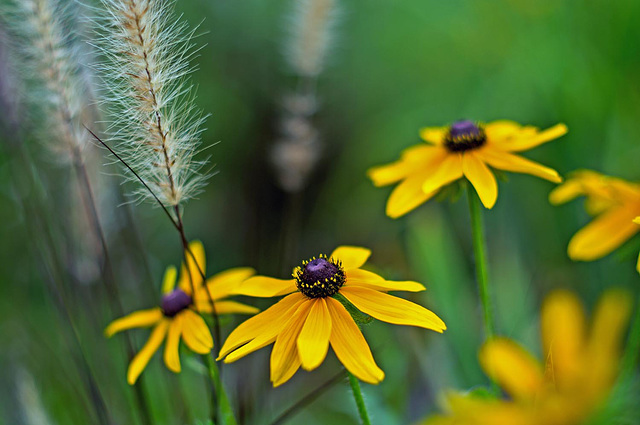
(177, 316)
(581, 368)
(464, 149)
(306, 321)
(615, 202)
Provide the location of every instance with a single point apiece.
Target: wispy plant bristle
(313, 22)
(154, 122)
(11, 91)
(51, 55)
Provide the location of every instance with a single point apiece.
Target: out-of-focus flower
(464, 149)
(614, 202)
(313, 315)
(579, 370)
(177, 317)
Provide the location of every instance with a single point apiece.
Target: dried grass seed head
(154, 122)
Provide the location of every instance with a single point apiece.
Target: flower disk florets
(174, 302)
(319, 277)
(464, 135)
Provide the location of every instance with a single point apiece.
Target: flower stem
(477, 229)
(228, 417)
(357, 395)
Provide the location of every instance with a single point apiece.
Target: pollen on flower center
(319, 277)
(464, 135)
(174, 302)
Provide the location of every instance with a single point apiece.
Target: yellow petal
(352, 257)
(566, 192)
(384, 175)
(287, 373)
(389, 285)
(141, 359)
(169, 280)
(434, 135)
(636, 220)
(225, 283)
(481, 178)
(392, 309)
(195, 332)
(171, 347)
(137, 319)
(284, 356)
(470, 410)
(512, 367)
(263, 286)
(525, 142)
(412, 160)
(360, 275)
(602, 191)
(313, 341)
(261, 327)
(504, 130)
(226, 307)
(367, 279)
(606, 339)
(562, 325)
(447, 171)
(604, 234)
(408, 195)
(191, 277)
(350, 346)
(517, 164)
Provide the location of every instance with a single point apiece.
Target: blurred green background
(394, 67)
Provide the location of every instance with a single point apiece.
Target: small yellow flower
(306, 321)
(464, 149)
(614, 201)
(177, 316)
(581, 368)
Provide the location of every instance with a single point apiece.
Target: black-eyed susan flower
(177, 317)
(311, 317)
(578, 371)
(614, 202)
(464, 149)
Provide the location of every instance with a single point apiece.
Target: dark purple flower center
(174, 302)
(319, 277)
(464, 135)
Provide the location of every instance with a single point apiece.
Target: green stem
(228, 417)
(357, 395)
(477, 229)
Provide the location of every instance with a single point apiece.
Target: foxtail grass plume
(155, 124)
(465, 149)
(313, 315)
(297, 151)
(11, 92)
(178, 315)
(312, 32)
(53, 56)
(614, 202)
(578, 371)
